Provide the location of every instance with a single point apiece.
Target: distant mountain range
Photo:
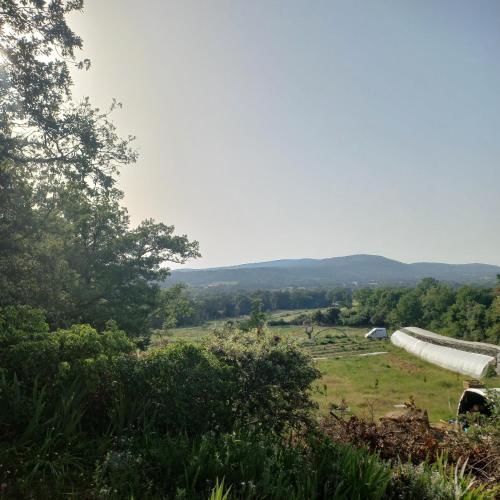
(357, 270)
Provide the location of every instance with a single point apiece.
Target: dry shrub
(409, 437)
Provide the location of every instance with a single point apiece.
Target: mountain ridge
(355, 269)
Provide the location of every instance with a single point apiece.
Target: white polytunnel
(446, 352)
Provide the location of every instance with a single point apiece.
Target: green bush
(269, 378)
(30, 351)
(438, 481)
(20, 322)
(234, 380)
(42, 372)
(187, 386)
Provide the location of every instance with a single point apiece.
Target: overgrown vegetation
(84, 413)
(410, 439)
(86, 409)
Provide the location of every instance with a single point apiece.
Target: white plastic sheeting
(485, 394)
(468, 363)
(459, 343)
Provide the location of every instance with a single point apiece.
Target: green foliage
(36, 354)
(253, 466)
(215, 304)
(270, 379)
(67, 245)
(188, 387)
(408, 310)
(63, 391)
(219, 492)
(438, 481)
(332, 316)
(257, 318)
(174, 307)
(469, 313)
(17, 322)
(82, 413)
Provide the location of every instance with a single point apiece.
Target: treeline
(182, 306)
(467, 312)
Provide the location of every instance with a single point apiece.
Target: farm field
(371, 384)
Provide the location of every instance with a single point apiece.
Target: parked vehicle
(377, 334)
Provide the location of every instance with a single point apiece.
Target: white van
(377, 334)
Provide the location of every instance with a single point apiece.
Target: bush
(188, 388)
(438, 481)
(20, 321)
(270, 379)
(76, 383)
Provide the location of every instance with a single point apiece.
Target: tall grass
(253, 466)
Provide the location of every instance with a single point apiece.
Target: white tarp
(468, 363)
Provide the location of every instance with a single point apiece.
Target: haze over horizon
(270, 131)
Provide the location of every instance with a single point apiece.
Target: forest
(87, 408)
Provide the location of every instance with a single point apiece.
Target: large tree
(66, 243)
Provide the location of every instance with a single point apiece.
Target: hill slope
(352, 269)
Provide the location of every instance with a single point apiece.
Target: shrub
(42, 371)
(439, 481)
(270, 379)
(187, 386)
(20, 322)
(233, 380)
(30, 351)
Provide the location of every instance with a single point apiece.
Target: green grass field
(370, 384)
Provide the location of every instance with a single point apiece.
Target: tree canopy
(66, 241)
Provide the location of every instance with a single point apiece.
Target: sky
(270, 130)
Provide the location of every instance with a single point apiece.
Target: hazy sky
(307, 129)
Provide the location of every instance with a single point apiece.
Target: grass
(371, 385)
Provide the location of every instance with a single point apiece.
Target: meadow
(371, 384)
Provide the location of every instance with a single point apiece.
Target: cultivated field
(370, 383)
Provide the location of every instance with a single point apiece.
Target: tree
(66, 243)
(435, 302)
(257, 318)
(317, 317)
(175, 307)
(408, 312)
(42, 128)
(332, 315)
(466, 318)
(493, 316)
